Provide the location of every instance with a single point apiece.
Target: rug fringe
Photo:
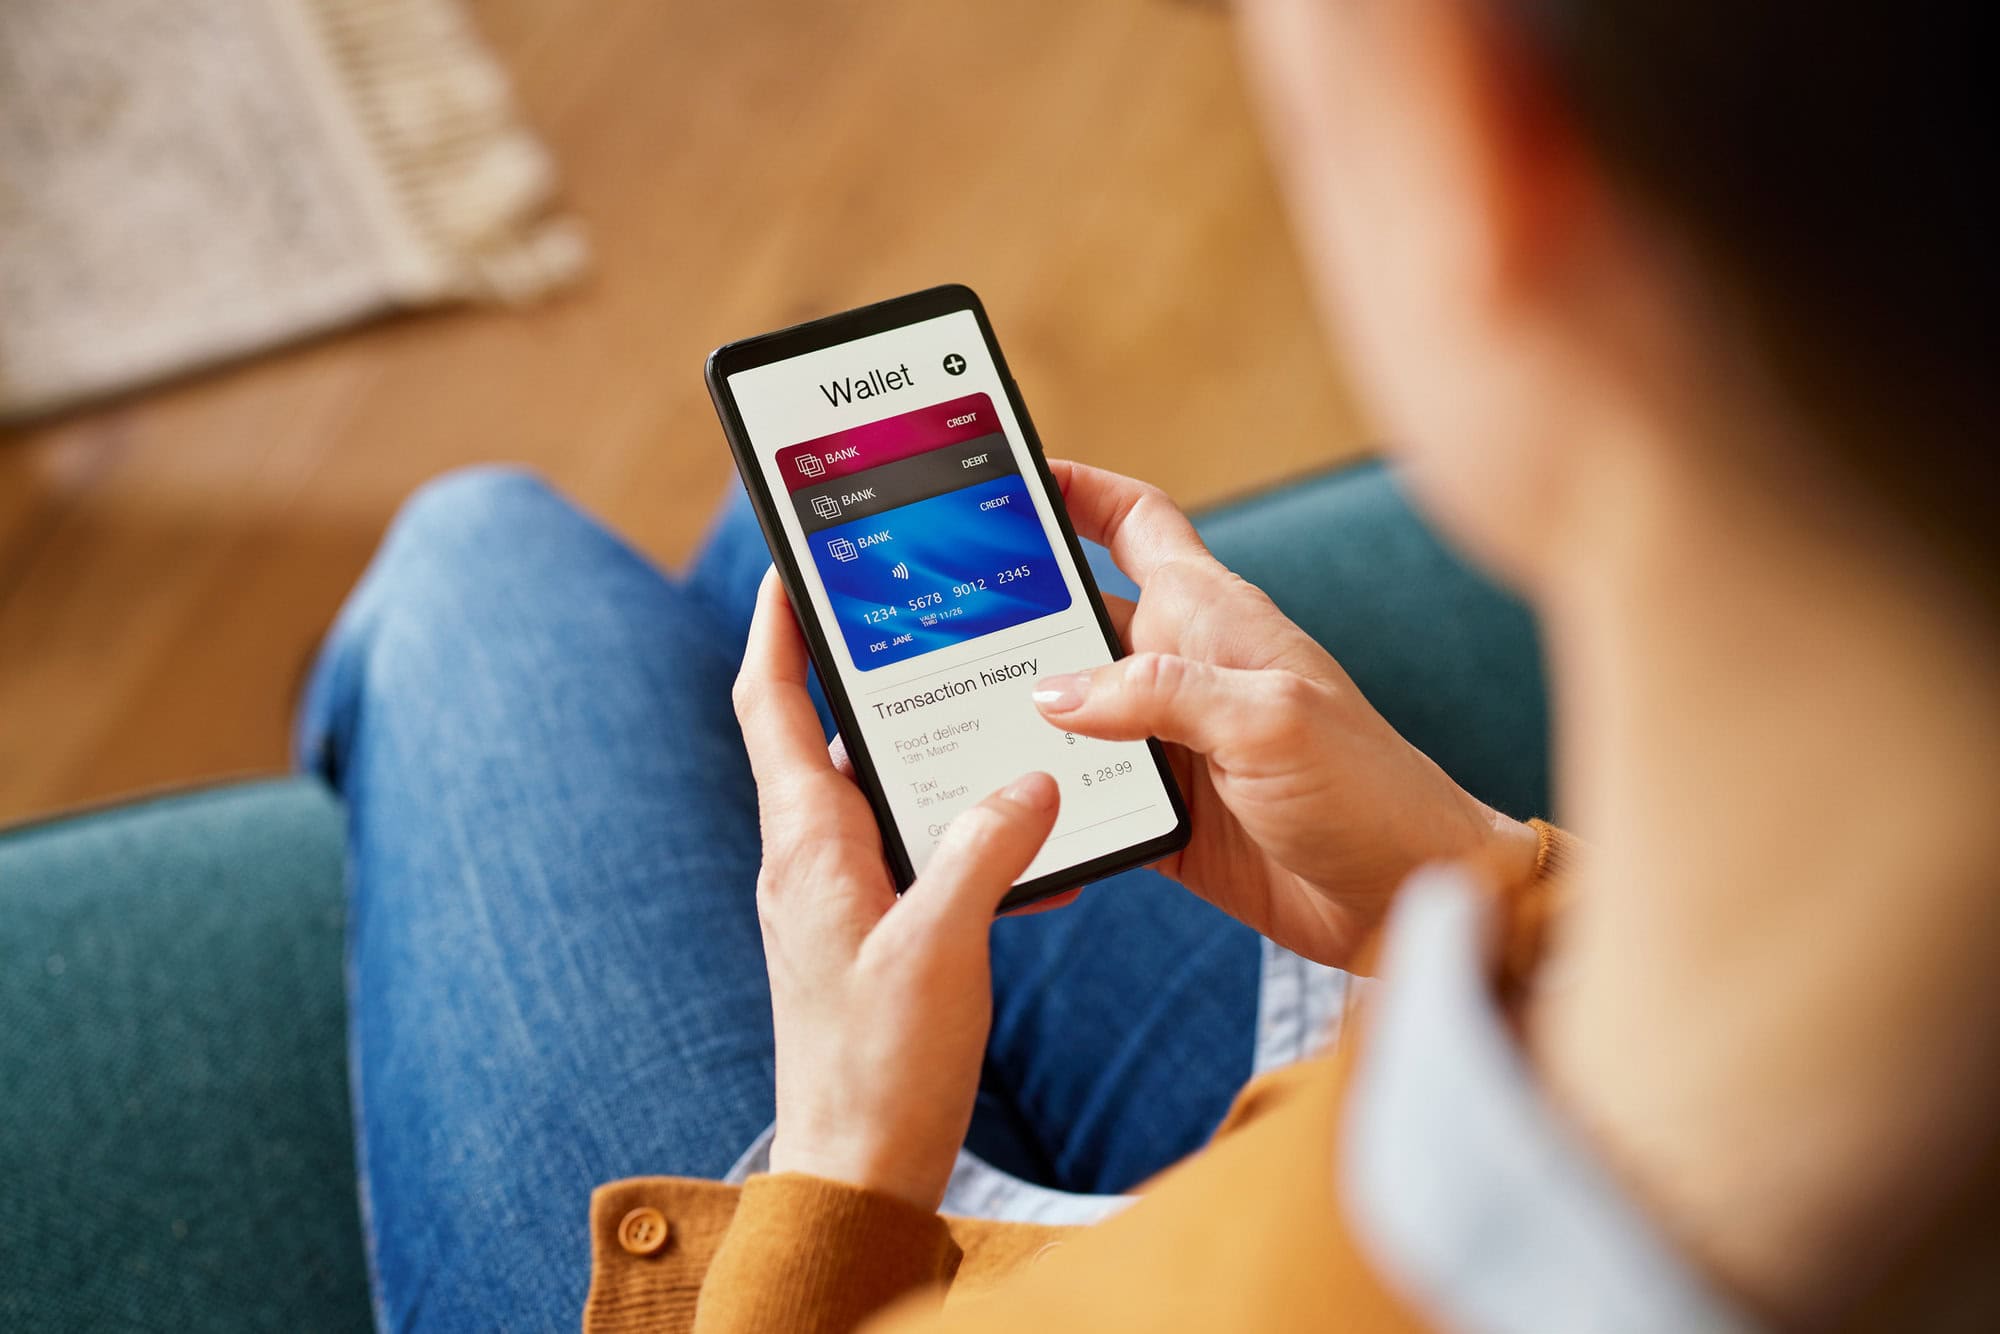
(438, 114)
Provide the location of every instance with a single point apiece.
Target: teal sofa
(174, 1150)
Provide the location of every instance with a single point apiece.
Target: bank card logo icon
(826, 506)
(900, 570)
(810, 465)
(841, 549)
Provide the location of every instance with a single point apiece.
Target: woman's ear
(1526, 171)
(1475, 228)
(1450, 214)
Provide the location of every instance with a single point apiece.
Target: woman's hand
(880, 1006)
(1308, 809)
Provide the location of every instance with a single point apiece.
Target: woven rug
(187, 181)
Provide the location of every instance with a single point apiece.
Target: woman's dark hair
(1831, 164)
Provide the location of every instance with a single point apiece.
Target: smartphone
(935, 573)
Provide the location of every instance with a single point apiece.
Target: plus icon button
(954, 364)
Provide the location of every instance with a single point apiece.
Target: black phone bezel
(832, 330)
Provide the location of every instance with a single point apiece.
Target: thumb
(1194, 704)
(983, 853)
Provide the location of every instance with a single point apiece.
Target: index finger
(1143, 528)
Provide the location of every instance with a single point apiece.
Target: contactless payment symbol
(810, 465)
(826, 506)
(954, 364)
(942, 571)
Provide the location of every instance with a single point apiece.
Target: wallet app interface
(936, 567)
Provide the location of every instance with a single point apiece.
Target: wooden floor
(167, 564)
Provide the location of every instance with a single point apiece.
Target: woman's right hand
(1308, 809)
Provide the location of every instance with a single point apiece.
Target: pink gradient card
(885, 441)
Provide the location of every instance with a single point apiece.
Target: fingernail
(1060, 694)
(1035, 791)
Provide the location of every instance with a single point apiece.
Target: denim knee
(457, 539)
(483, 508)
(476, 534)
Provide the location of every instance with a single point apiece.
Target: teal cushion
(175, 1148)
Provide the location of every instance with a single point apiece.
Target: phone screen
(942, 581)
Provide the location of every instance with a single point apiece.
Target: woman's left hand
(880, 1005)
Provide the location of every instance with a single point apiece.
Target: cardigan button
(644, 1231)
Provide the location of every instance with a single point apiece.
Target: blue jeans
(555, 976)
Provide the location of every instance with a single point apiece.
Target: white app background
(937, 760)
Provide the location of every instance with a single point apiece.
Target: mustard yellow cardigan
(1245, 1234)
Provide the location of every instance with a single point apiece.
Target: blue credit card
(938, 572)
